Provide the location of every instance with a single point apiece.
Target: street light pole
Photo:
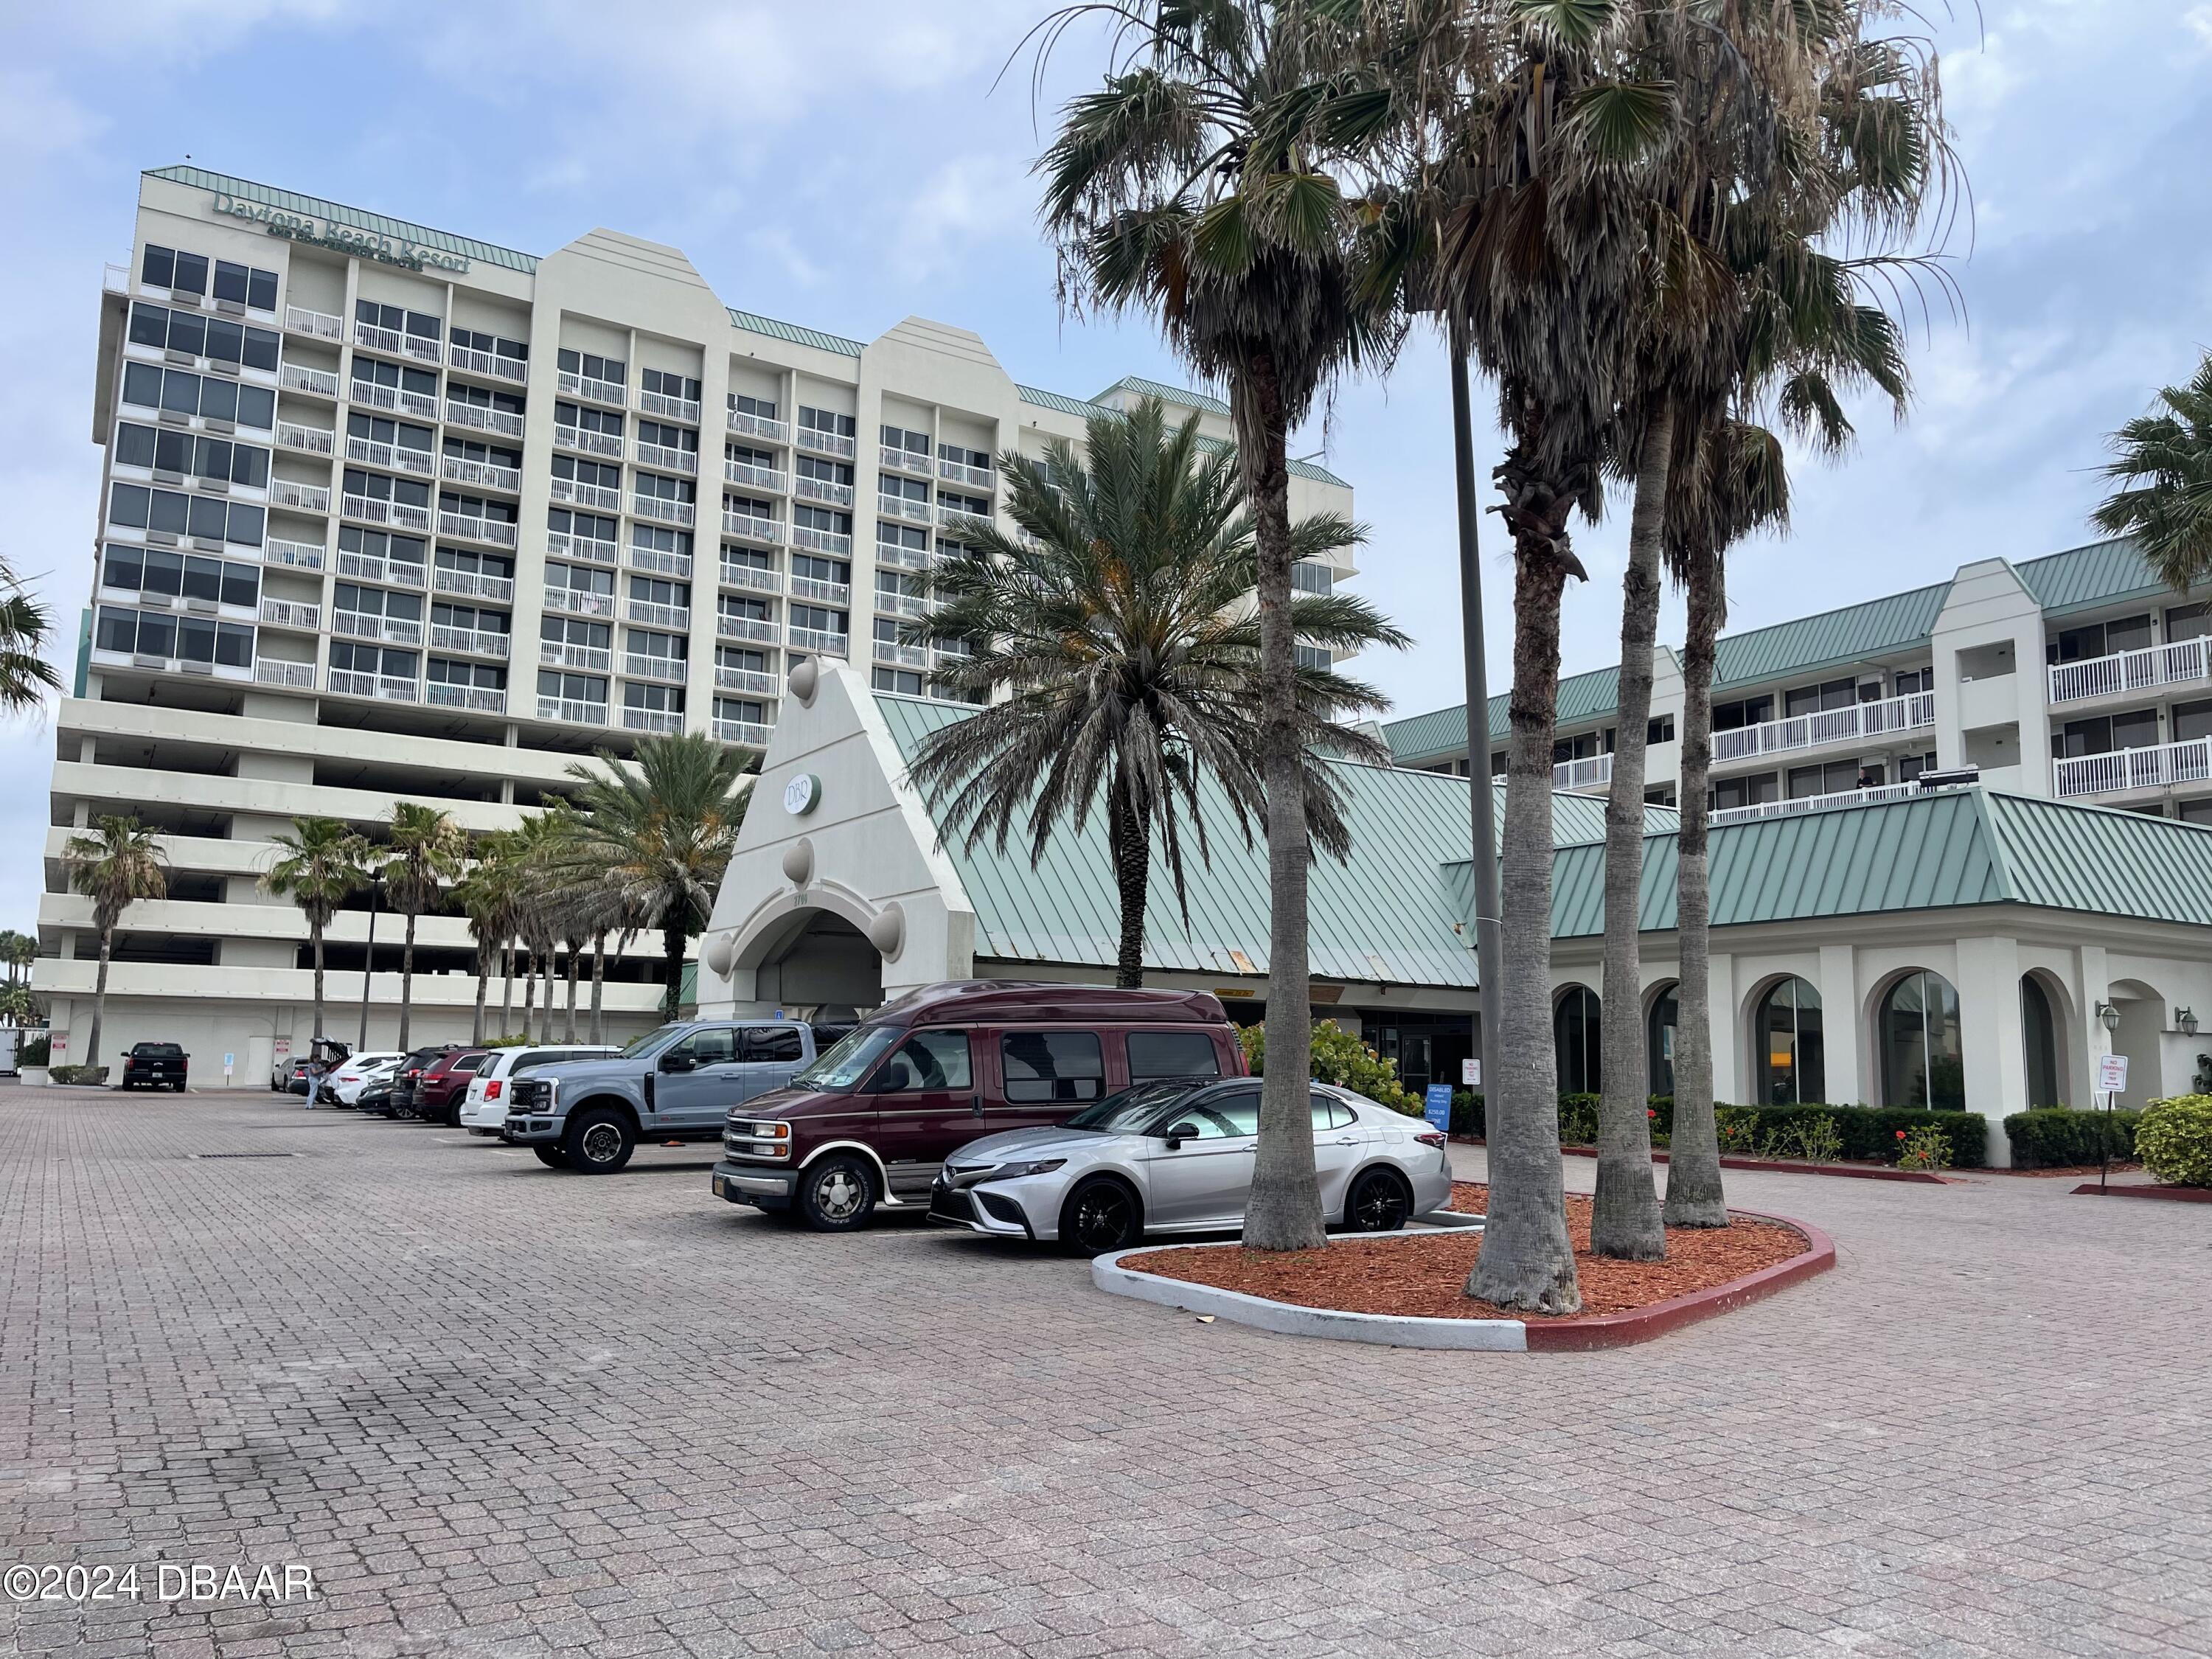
(1489, 945)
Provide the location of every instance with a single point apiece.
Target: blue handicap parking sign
(1438, 1107)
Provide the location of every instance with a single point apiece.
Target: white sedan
(357, 1073)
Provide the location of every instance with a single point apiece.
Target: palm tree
(1192, 185)
(118, 864)
(1117, 661)
(2164, 462)
(427, 850)
(320, 865)
(487, 895)
(657, 834)
(25, 630)
(22, 952)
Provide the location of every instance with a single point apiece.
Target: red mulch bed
(1422, 1276)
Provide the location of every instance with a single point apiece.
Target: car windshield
(1128, 1112)
(852, 1058)
(658, 1037)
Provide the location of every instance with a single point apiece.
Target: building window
(1659, 1026)
(668, 385)
(760, 408)
(821, 420)
(1753, 791)
(1661, 730)
(1921, 1061)
(1792, 1056)
(210, 397)
(2039, 1030)
(1574, 1035)
(593, 367)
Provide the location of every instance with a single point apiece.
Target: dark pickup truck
(155, 1065)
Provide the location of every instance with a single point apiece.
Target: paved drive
(502, 1411)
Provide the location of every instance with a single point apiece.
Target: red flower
(1650, 1111)
(1900, 1134)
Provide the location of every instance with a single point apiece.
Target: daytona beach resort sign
(342, 239)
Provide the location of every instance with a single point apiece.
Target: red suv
(870, 1121)
(440, 1085)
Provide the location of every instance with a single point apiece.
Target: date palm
(26, 631)
(1193, 186)
(320, 865)
(1119, 661)
(488, 897)
(426, 850)
(2161, 465)
(115, 866)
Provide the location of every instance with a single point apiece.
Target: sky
(849, 163)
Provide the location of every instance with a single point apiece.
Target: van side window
(773, 1042)
(927, 1059)
(1171, 1053)
(1061, 1067)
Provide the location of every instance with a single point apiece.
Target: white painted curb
(1289, 1319)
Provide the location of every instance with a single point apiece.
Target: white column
(1727, 1033)
(1840, 1023)
(2091, 1040)
(1989, 1037)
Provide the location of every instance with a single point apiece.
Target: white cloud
(2197, 20)
(968, 202)
(38, 120)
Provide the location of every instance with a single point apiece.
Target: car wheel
(837, 1194)
(599, 1142)
(1101, 1216)
(551, 1156)
(1379, 1202)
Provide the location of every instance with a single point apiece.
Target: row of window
(397, 318)
(216, 338)
(191, 273)
(179, 576)
(177, 639)
(210, 518)
(2136, 728)
(168, 449)
(1822, 778)
(496, 345)
(2105, 638)
(210, 397)
(591, 688)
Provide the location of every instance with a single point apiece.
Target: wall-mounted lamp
(2186, 1019)
(2109, 1015)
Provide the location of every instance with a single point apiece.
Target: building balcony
(750, 527)
(642, 666)
(496, 532)
(754, 477)
(315, 324)
(901, 656)
(572, 711)
(473, 586)
(367, 625)
(827, 490)
(2125, 771)
(652, 720)
(291, 613)
(1591, 772)
(505, 422)
(905, 460)
(902, 558)
(822, 541)
(685, 410)
(298, 497)
(1915, 711)
(482, 475)
(821, 592)
(297, 556)
(754, 630)
(828, 641)
(901, 605)
(392, 457)
(572, 385)
(393, 573)
(2183, 662)
(598, 498)
(957, 518)
(588, 442)
(585, 658)
(422, 405)
(750, 734)
(487, 363)
(1792, 807)
(290, 676)
(315, 382)
(758, 426)
(900, 506)
(959, 472)
(676, 618)
(576, 602)
(307, 440)
(752, 681)
(385, 340)
(751, 579)
(824, 443)
(477, 699)
(374, 509)
(660, 563)
(346, 682)
(114, 278)
(664, 511)
(469, 641)
(666, 459)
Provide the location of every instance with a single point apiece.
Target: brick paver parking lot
(502, 1411)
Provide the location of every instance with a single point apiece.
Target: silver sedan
(1175, 1157)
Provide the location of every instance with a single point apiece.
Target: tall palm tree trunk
(1625, 1220)
(99, 998)
(315, 937)
(571, 1036)
(483, 986)
(407, 982)
(1126, 845)
(671, 947)
(1284, 1211)
(1694, 1194)
(529, 994)
(1526, 1261)
(507, 987)
(598, 983)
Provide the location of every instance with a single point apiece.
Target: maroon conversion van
(870, 1121)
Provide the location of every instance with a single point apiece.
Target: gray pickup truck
(677, 1082)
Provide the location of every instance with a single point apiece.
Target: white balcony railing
(1851, 724)
(753, 681)
(316, 382)
(643, 665)
(758, 630)
(368, 625)
(486, 475)
(385, 340)
(301, 497)
(2175, 664)
(675, 409)
(576, 602)
(753, 734)
(667, 458)
(506, 423)
(652, 720)
(424, 350)
(901, 656)
(317, 325)
(487, 363)
(751, 527)
(1591, 772)
(822, 541)
(901, 557)
(589, 659)
(600, 498)
(751, 579)
(827, 490)
(292, 676)
(575, 711)
(589, 549)
(825, 641)
(2125, 770)
(349, 682)
(660, 563)
(1791, 808)
(759, 426)
(368, 567)
(975, 477)
(473, 584)
(900, 506)
(664, 510)
(300, 556)
(374, 509)
(115, 278)
(901, 605)
(291, 613)
(754, 476)
(477, 699)
(609, 444)
(905, 460)
(469, 641)
(821, 592)
(573, 384)
(395, 457)
(496, 531)
(825, 443)
(307, 440)
(677, 617)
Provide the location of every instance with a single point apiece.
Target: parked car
(1176, 1157)
(285, 1073)
(155, 1065)
(871, 1120)
(410, 1072)
(438, 1088)
(343, 1086)
(375, 1099)
(677, 1082)
(484, 1107)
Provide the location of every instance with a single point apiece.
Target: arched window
(1659, 1038)
(1922, 1062)
(1575, 1033)
(1792, 1058)
(2039, 1030)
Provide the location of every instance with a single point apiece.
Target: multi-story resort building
(388, 513)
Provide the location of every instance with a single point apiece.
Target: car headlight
(1016, 1171)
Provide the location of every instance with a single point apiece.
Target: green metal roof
(1443, 731)
(360, 218)
(2080, 577)
(1848, 634)
(1084, 410)
(1165, 393)
(793, 333)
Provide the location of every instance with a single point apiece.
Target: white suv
(485, 1107)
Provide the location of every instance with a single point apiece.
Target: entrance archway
(2142, 1021)
(819, 960)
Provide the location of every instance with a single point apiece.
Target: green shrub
(79, 1074)
(1466, 1117)
(2057, 1138)
(36, 1051)
(1341, 1059)
(1865, 1133)
(1579, 1120)
(1926, 1147)
(2174, 1139)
